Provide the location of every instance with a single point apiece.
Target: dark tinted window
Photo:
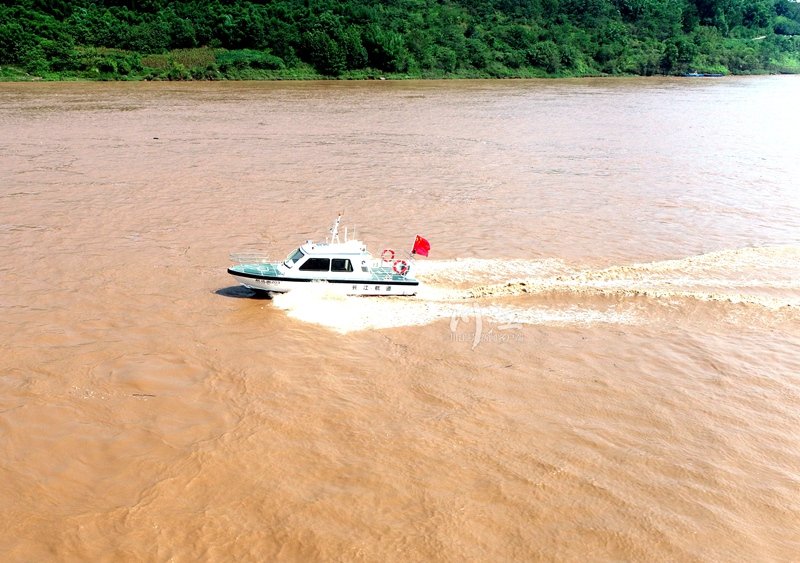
(341, 265)
(316, 264)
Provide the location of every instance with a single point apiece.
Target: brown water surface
(627, 251)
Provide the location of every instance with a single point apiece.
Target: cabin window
(341, 265)
(293, 258)
(316, 265)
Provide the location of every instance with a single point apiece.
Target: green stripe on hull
(383, 275)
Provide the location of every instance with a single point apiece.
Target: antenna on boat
(335, 230)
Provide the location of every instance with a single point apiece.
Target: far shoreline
(22, 77)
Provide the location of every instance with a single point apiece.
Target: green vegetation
(284, 39)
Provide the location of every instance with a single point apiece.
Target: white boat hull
(348, 287)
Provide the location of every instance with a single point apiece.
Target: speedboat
(347, 265)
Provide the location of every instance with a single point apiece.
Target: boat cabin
(341, 259)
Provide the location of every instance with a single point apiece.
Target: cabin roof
(349, 248)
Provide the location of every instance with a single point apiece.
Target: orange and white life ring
(385, 252)
(400, 267)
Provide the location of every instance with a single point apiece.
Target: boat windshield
(293, 257)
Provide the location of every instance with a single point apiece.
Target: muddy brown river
(603, 363)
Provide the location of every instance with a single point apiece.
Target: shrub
(324, 53)
(107, 66)
(386, 50)
(178, 72)
(785, 26)
(545, 55)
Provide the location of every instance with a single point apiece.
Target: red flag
(421, 246)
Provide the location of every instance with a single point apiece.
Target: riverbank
(209, 73)
(205, 63)
(10, 74)
(361, 39)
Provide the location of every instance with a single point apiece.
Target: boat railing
(395, 255)
(385, 262)
(380, 275)
(254, 259)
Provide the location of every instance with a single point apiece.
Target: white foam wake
(767, 278)
(325, 305)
